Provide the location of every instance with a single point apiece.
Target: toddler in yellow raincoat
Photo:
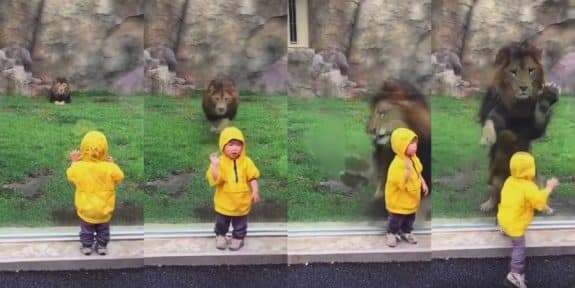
(234, 176)
(520, 196)
(95, 176)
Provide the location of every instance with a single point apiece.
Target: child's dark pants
(518, 254)
(87, 231)
(400, 222)
(240, 224)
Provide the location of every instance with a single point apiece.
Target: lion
(518, 101)
(398, 104)
(60, 92)
(220, 103)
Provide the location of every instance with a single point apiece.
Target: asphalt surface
(549, 272)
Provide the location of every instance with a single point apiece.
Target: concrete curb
(210, 260)
(272, 245)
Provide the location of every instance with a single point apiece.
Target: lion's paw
(488, 137)
(487, 205)
(552, 87)
(378, 193)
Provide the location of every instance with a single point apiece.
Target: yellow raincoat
(95, 180)
(520, 196)
(233, 191)
(403, 196)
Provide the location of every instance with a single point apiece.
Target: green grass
(37, 137)
(178, 138)
(321, 132)
(459, 163)
(296, 144)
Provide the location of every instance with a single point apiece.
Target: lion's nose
(221, 109)
(523, 88)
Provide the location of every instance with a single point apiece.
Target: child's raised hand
(214, 159)
(75, 155)
(552, 184)
(109, 158)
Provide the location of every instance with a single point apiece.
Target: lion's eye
(381, 115)
(531, 70)
(514, 72)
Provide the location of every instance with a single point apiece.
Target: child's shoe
(409, 238)
(86, 250)
(518, 280)
(221, 242)
(236, 244)
(101, 250)
(391, 239)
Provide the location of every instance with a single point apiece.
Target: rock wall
(475, 30)
(93, 43)
(443, 46)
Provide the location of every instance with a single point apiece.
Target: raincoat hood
(400, 139)
(522, 166)
(94, 146)
(232, 133)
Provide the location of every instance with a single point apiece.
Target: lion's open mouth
(382, 137)
(522, 96)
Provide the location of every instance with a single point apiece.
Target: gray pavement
(548, 272)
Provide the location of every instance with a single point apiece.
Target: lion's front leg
(488, 135)
(378, 195)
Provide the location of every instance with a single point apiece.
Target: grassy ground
(321, 132)
(36, 139)
(178, 141)
(298, 144)
(459, 163)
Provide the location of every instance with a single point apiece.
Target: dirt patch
(462, 181)
(263, 212)
(32, 187)
(105, 99)
(126, 213)
(336, 187)
(64, 119)
(122, 141)
(175, 185)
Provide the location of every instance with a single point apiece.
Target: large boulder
(448, 20)
(241, 39)
(558, 44)
(300, 82)
(331, 23)
(18, 18)
(391, 39)
(89, 42)
(163, 19)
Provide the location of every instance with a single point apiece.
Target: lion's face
(524, 77)
(60, 88)
(221, 102)
(386, 117)
(519, 72)
(220, 97)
